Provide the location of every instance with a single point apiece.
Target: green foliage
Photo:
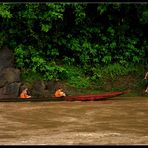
(79, 13)
(79, 82)
(142, 13)
(56, 11)
(20, 56)
(31, 59)
(113, 70)
(68, 61)
(4, 11)
(117, 69)
(49, 69)
(86, 35)
(76, 78)
(145, 17)
(54, 71)
(102, 8)
(30, 76)
(75, 45)
(107, 59)
(46, 27)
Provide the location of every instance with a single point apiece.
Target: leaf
(46, 27)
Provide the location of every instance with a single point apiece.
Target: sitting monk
(59, 93)
(24, 94)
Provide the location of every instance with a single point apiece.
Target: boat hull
(93, 97)
(90, 97)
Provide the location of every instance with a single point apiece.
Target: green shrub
(76, 78)
(114, 70)
(30, 76)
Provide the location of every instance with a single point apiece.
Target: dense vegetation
(73, 41)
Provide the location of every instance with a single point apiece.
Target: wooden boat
(93, 97)
(87, 97)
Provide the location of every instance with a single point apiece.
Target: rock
(9, 83)
(10, 90)
(3, 81)
(38, 88)
(10, 75)
(51, 86)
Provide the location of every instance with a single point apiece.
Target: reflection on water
(119, 120)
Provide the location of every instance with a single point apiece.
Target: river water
(115, 121)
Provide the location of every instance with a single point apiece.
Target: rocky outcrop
(9, 83)
(10, 90)
(43, 88)
(9, 75)
(38, 88)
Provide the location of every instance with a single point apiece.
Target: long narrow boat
(93, 97)
(87, 97)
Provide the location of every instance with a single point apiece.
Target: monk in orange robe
(59, 93)
(24, 94)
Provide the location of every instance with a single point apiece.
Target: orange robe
(24, 95)
(59, 93)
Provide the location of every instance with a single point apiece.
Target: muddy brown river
(115, 121)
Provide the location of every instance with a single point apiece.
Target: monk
(24, 94)
(59, 93)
